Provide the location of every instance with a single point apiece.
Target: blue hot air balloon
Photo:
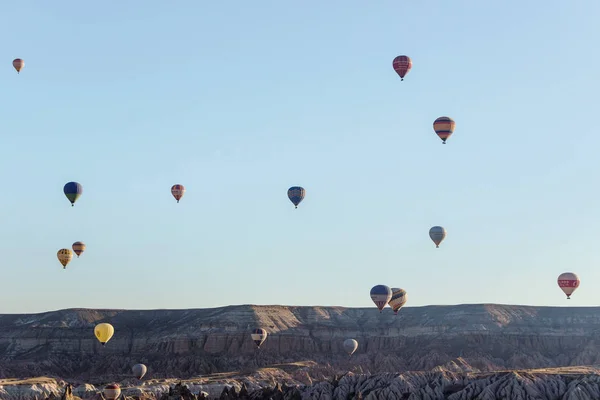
(381, 295)
(73, 191)
(296, 194)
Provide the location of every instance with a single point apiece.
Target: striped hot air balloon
(444, 127)
(258, 335)
(78, 248)
(402, 64)
(178, 191)
(398, 299)
(112, 391)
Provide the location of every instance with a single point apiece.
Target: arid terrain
(442, 350)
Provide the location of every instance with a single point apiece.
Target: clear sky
(240, 100)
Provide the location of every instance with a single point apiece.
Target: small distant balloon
(104, 332)
(64, 256)
(178, 191)
(568, 282)
(444, 127)
(18, 64)
(350, 346)
(78, 248)
(73, 191)
(259, 335)
(139, 370)
(402, 64)
(296, 194)
(398, 299)
(381, 295)
(112, 391)
(437, 234)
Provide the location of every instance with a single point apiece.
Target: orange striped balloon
(18, 64)
(78, 248)
(444, 127)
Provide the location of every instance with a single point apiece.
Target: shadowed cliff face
(185, 343)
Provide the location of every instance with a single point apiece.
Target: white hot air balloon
(437, 234)
(139, 370)
(398, 299)
(350, 346)
(568, 282)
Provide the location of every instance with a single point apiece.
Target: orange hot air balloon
(444, 127)
(18, 64)
(78, 248)
(178, 191)
(402, 64)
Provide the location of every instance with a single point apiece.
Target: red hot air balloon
(444, 127)
(178, 191)
(568, 282)
(18, 64)
(402, 64)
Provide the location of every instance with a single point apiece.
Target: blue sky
(240, 100)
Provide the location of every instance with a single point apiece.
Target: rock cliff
(188, 343)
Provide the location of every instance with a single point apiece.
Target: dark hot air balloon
(18, 64)
(402, 64)
(381, 295)
(259, 335)
(296, 194)
(73, 191)
(178, 191)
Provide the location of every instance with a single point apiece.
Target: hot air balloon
(259, 335)
(64, 256)
(296, 194)
(568, 282)
(381, 295)
(402, 64)
(78, 248)
(444, 126)
(139, 370)
(112, 391)
(18, 64)
(398, 299)
(350, 346)
(104, 332)
(73, 191)
(437, 234)
(177, 191)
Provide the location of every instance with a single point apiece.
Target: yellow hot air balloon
(104, 332)
(64, 256)
(78, 248)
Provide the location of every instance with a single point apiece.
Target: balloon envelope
(437, 234)
(104, 332)
(64, 256)
(18, 64)
(78, 248)
(350, 346)
(73, 191)
(402, 64)
(112, 391)
(568, 282)
(296, 194)
(139, 370)
(259, 335)
(381, 295)
(178, 191)
(398, 299)
(444, 127)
